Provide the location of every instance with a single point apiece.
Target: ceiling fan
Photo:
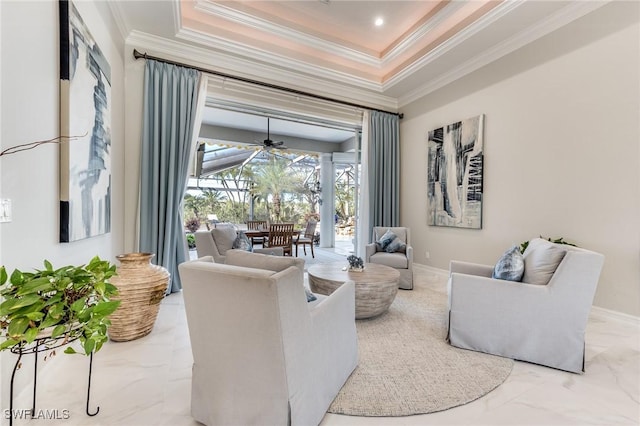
(269, 144)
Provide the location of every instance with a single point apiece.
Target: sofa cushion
(394, 260)
(242, 242)
(510, 266)
(541, 259)
(385, 240)
(224, 238)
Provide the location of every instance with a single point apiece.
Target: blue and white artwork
(85, 114)
(455, 167)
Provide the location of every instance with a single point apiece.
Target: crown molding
(121, 22)
(317, 43)
(564, 16)
(286, 33)
(268, 57)
(485, 21)
(420, 32)
(316, 82)
(225, 46)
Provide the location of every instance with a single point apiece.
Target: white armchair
(218, 241)
(402, 260)
(263, 354)
(542, 324)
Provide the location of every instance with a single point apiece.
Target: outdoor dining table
(264, 233)
(251, 233)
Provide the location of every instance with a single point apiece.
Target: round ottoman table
(376, 286)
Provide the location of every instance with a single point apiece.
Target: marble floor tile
(148, 382)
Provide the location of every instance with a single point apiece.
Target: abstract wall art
(85, 103)
(454, 168)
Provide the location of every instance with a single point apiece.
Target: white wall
(134, 84)
(561, 151)
(30, 112)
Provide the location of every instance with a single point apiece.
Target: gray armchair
(262, 354)
(218, 241)
(543, 324)
(402, 260)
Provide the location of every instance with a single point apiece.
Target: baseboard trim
(431, 269)
(608, 314)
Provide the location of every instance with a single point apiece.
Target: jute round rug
(406, 367)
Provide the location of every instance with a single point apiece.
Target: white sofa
(542, 324)
(262, 354)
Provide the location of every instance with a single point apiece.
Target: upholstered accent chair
(542, 323)
(307, 238)
(262, 354)
(401, 260)
(218, 241)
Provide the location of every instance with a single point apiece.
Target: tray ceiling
(335, 46)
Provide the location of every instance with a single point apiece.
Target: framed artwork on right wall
(454, 174)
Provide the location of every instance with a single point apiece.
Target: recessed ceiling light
(378, 22)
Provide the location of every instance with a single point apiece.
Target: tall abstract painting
(455, 167)
(85, 115)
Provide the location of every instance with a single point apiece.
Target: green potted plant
(71, 303)
(525, 244)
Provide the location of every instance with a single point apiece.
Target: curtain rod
(139, 55)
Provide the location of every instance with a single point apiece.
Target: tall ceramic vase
(141, 286)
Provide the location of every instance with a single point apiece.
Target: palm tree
(273, 179)
(212, 199)
(195, 204)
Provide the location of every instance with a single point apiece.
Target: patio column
(327, 209)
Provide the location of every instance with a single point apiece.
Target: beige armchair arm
(370, 250)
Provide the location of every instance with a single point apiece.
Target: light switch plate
(5, 210)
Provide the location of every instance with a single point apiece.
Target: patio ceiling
(212, 159)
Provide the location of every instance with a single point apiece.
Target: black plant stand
(41, 345)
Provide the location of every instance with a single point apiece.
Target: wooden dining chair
(257, 225)
(307, 238)
(281, 235)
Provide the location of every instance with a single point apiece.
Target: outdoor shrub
(192, 224)
(191, 241)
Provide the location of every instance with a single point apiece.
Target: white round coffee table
(376, 286)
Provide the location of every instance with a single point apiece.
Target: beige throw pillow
(224, 238)
(540, 263)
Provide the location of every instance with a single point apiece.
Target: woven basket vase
(141, 286)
